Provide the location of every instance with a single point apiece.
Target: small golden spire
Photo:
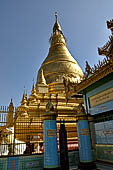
(11, 103)
(11, 100)
(33, 84)
(33, 88)
(42, 78)
(24, 91)
(9, 119)
(24, 98)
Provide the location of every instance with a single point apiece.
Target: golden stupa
(28, 122)
(59, 62)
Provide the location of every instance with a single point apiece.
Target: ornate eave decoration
(99, 71)
(70, 86)
(107, 48)
(96, 76)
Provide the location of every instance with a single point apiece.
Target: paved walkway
(104, 166)
(100, 166)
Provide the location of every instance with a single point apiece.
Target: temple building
(50, 86)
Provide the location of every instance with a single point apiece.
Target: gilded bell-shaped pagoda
(59, 63)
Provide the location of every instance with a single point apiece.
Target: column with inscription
(50, 139)
(85, 152)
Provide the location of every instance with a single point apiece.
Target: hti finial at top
(33, 81)
(33, 84)
(56, 25)
(56, 15)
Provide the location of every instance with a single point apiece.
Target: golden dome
(59, 62)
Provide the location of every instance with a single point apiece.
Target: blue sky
(25, 29)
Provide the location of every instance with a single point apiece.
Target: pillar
(92, 130)
(50, 139)
(85, 152)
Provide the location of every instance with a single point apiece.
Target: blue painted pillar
(50, 139)
(85, 152)
(92, 131)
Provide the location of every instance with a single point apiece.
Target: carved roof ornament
(88, 70)
(107, 49)
(96, 68)
(110, 25)
(69, 85)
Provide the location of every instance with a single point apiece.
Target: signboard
(84, 132)
(101, 97)
(104, 132)
(51, 133)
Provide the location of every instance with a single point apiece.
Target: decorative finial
(24, 98)
(11, 105)
(56, 15)
(33, 87)
(33, 84)
(26, 93)
(42, 78)
(11, 100)
(24, 89)
(33, 81)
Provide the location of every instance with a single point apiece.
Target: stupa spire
(33, 88)
(42, 78)
(57, 35)
(56, 15)
(10, 120)
(11, 107)
(24, 98)
(57, 26)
